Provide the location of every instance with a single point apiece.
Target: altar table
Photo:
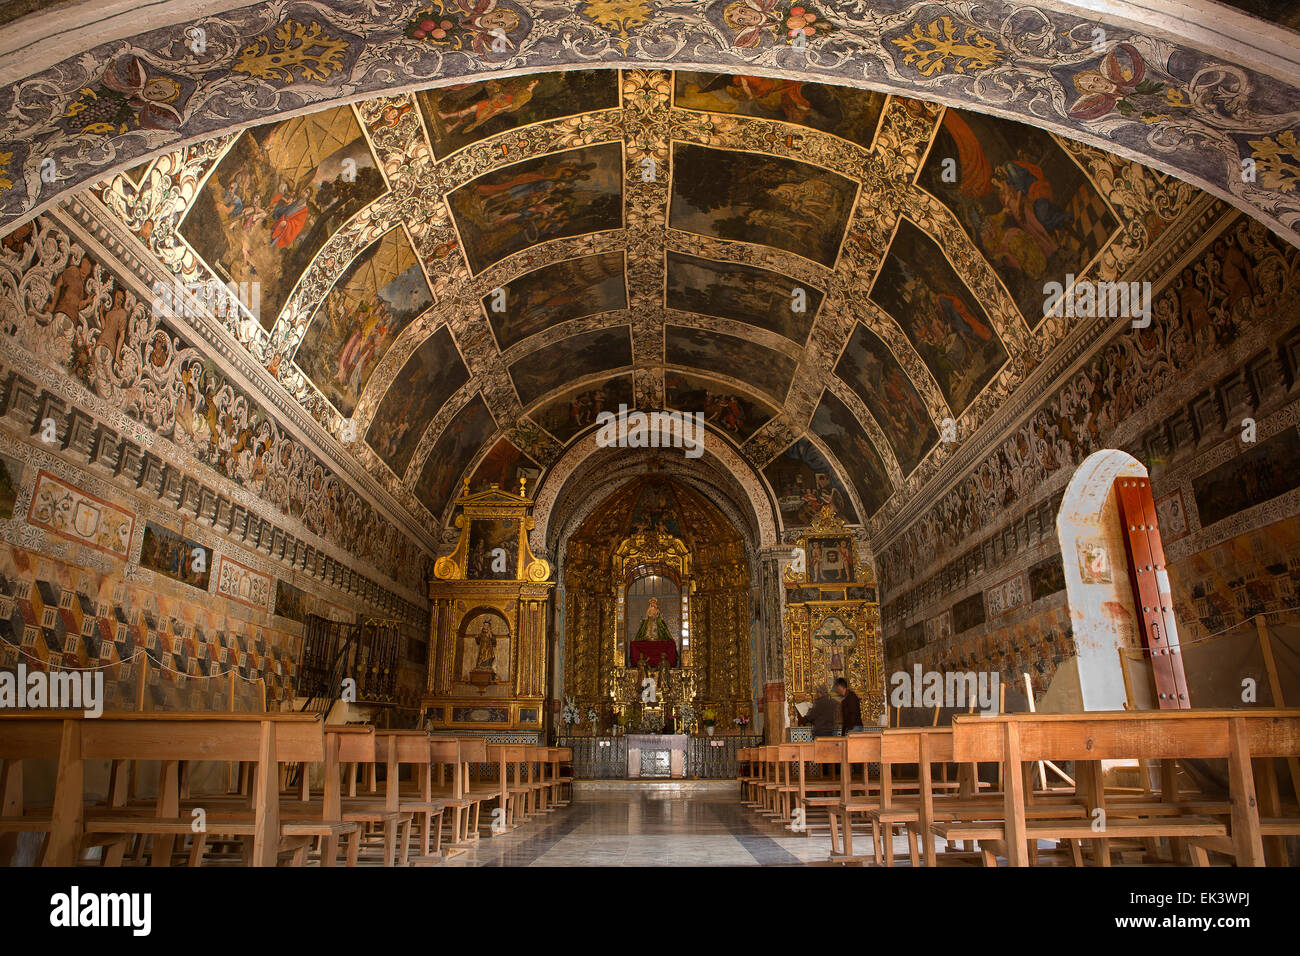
(653, 652)
(656, 755)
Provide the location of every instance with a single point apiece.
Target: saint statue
(653, 627)
(487, 647)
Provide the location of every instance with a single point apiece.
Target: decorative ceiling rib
(648, 234)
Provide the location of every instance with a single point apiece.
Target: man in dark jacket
(822, 713)
(850, 707)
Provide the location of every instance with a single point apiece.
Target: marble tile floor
(648, 826)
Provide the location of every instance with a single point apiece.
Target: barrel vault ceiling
(646, 238)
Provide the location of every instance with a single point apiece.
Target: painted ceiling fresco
(505, 260)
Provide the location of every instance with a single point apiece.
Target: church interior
(465, 433)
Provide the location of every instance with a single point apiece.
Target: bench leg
(197, 848)
(1076, 852)
(911, 846)
(329, 850)
(1197, 854)
(987, 856)
(405, 838)
(835, 832)
(354, 846)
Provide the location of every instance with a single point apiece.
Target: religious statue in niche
(654, 640)
(485, 652)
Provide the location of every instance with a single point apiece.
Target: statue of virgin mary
(653, 627)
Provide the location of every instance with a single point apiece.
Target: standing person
(850, 707)
(822, 713)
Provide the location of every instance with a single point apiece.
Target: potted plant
(741, 722)
(595, 722)
(710, 718)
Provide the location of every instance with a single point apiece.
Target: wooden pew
(1087, 739)
(264, 740)
(414, 747)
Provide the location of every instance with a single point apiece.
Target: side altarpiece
(487, 623)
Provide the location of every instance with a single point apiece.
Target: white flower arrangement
(571, 714)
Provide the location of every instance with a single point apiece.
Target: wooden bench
(1087, 739)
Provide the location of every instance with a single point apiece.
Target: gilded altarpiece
(487, 624)
(657, 528)
(832, 619)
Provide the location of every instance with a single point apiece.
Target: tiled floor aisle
(647, 828)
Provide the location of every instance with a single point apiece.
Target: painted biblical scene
(733, 290)
(493, 549)
(451, 454)
(1265, 470)
(376, 298)
(751, 197)
(839, 110)
(430, 376)
(276, 196)
(176, 556)
(1023, 201)
(804, 483)
(831, 560)
(836, 426)
(557, 293)
(574, 411)
(919, 288)
(601, 350)
(551, 197)
(768, 371)
(459, 115)
(734, 412)
(871, 370)
(503, 466)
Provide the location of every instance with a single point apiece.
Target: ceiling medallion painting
(551, 197)
(644, 250)
(276, 196)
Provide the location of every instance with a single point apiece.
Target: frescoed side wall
(1228, 524)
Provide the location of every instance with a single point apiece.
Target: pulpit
(656, 755)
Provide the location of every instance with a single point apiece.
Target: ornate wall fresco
(276, 196)
(943, 321)
(851, 114)
(984, 57)
(716, 301)
(380, 295)
(1024, 202)
(65, 310)
(423, 385)
(556, 293)
(468, 112)
(154, 616)
(761, 199)
(1223, 346)
(871, 370)
(551, 197)
(744, 293)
